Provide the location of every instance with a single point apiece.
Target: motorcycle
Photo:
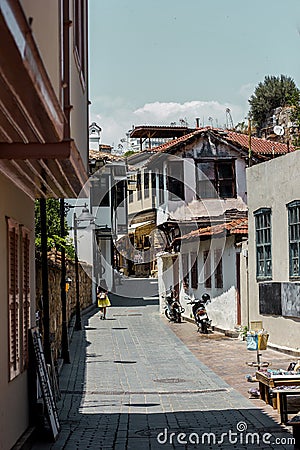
(200, 314)
(173, 308)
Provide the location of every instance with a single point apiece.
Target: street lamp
(83, 217)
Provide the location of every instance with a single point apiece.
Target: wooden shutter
(25, 295)
(13, 298)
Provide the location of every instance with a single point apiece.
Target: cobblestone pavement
(132, 384)
(228, 358)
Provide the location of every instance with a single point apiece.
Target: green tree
(54, 240)
(272, 93)
(129, 153)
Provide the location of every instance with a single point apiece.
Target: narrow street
(133, 384)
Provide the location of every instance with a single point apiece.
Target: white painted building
(203, 186)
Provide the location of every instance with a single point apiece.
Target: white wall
(273, 184)
(165, 277)
(223, 307)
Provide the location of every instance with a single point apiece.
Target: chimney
(197, 122)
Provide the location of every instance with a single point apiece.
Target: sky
(159, 61)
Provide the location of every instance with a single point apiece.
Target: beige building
(43, 153)
(274, 250)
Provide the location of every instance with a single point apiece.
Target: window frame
(263, 245)
(217, 180)
(18, 288)
(294, 237)
(139, 185)
(185, 270)
(207, 268)
(175, 185)
(218, 255)
(194, 270)
(79, 37)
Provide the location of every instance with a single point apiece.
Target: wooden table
(266, 383)
(282, 405)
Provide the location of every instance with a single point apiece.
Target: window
(185, 269)
(139, 186)
(194, 271)
(207, 269)
(153, 182)
(79, 34)
(216, 178)
(219, 269)
(18, 296)
(175, 180)
(100, 191)
(294, 238)
(120, 194)
(146, 184)
(263, 243)
(161, 188)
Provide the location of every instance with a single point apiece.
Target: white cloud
(115, 124)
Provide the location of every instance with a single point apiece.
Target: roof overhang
(32, 122)
(44, 170)
(148, 131)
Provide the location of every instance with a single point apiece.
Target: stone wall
(54, 277)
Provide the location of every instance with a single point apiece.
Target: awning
(134, 226)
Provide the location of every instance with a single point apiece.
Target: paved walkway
(133, 384)
(228, 358)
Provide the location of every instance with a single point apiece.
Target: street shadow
(120, 300)
(116, 419)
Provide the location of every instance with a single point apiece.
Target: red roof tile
(259, 146)
(237, 226)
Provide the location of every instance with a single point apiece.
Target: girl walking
(103, 301)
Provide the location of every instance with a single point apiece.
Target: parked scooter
(200, 314)
(173, 308)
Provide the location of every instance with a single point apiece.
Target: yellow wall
(13, 395)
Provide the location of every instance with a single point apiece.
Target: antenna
(278, 130)
(229, 121)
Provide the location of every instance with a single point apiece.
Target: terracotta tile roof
(170, 144)
(259, 147)
(104, 155)
(237, 226)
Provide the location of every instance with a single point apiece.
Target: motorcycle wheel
(204, 328)
(168, 315)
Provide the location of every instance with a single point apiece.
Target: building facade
(273, 254)
(202, 184)
(43, 154)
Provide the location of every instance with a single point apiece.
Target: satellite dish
(279, 130)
